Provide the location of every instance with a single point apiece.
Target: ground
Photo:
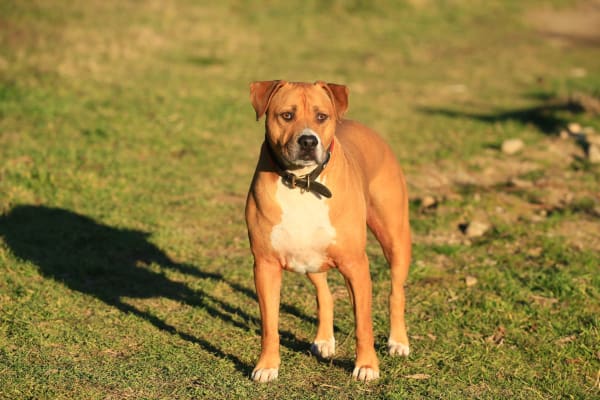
(127, 144)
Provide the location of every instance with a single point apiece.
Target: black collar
(305, 182)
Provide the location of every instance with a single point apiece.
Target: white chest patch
(305, 231)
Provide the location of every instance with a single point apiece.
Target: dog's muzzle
(306, 149)
(308, 145)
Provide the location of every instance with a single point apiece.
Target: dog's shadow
(112, 264)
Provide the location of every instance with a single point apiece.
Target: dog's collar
(305, 182)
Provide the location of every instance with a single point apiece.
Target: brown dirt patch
(579, 26)
(507, 190)
(581, 233)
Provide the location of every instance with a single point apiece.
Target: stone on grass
(512, 146)
(574, 128)
(428, 202)
(470, 280)
(475, 229)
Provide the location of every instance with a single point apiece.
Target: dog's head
(301, 118)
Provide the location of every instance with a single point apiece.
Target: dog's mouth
(301, 158)
(308, 157)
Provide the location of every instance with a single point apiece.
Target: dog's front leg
(324, 343)
(267, 279)
(358, 281)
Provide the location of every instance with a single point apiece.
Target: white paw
(265, 374)
(323, 348)
(397, 348)
(365, 374)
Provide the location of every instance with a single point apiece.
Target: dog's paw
(323, 348)
(264, 375)
(365, 374)
(397, 348)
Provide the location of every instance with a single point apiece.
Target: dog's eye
(322, 117)
(288, 116)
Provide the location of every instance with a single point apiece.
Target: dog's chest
(305, 232)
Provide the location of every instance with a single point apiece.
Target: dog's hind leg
(388, 220)
(398, 339)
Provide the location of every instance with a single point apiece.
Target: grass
(127, 144)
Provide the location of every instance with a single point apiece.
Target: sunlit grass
(127, 144)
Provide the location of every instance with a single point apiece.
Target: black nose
(307, 142)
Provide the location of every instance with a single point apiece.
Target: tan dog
(319, 178)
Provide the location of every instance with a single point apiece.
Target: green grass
(127, 144)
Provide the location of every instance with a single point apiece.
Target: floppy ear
(339, 97)
(261, 93)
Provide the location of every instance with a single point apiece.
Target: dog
(318, 180)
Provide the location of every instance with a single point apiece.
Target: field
(127, 144)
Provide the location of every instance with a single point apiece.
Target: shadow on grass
(111, 264)
(544, 116)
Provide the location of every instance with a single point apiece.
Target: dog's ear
(338, 95)
(261, 93)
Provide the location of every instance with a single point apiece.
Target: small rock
(476, 229)
(428, 202)
(593, 154)
(512, 146)
(470, 280)
(574, 128)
